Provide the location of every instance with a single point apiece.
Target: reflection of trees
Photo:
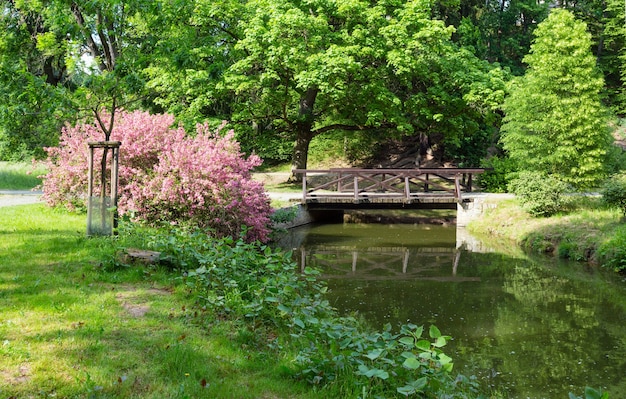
(551, 335)
(546, 329)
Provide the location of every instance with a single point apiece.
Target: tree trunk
(300, 154)
(304, 133)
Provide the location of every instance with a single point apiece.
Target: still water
(527, 328)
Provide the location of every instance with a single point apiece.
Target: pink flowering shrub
(165, 175)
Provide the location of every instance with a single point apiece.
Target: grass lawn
(19, 176)
(577, 233)
(71, 328)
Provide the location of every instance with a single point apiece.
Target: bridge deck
(352, 188)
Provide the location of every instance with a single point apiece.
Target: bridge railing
(390, 183)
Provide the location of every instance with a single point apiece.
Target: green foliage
(284, 215)
(614, 192)
(27, 123)
(612, 252)
(498, 174)
(20, 176)
(501, 34)
(258, 285)
(539, 194)
(591, 393)
(615, 160)
(555, 121)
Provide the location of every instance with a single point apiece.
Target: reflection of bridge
(381, 263)
(352, 188)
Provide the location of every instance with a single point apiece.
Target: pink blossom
(166, 175)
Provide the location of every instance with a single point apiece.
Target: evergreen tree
(555, 122)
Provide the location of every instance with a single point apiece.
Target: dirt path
(15, 197)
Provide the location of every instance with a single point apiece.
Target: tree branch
(91, 44)
(341, 126)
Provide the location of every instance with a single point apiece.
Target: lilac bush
(166, 175)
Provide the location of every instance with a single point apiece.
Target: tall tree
(89, 52)
(32, 78)
(313, 67)
(195, 46)
(555, 121)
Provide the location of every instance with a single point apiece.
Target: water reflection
(527, 329)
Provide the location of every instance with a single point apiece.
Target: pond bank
(587, 232)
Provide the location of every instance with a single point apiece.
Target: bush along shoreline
(585, 229)
(285, 312)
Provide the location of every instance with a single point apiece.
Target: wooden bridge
(352, 188)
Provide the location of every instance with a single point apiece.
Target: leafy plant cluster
(539, 193)
(614, 192)
(591, 393)
(166, 175)
(498, 174)
(255, 284)
(612, 252)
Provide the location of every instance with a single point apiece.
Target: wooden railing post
(356, 188)
(339, 186)
(303, 187)
(407, 188)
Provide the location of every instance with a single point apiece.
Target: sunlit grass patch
(577, 233)
(72, 327)
(20, 175)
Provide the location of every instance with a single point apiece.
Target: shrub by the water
(538, 193)
(165, 175)
(614, 192)
(288, 312)
(496, 177)
(612, 252)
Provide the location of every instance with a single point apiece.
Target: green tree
(500, 31)
(308, 68)
(555, 121)
(193, 50)
(61, 57)
(32, 78)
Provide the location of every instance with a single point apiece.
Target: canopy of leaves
(555, 121)
(308, 68)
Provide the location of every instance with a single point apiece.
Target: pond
(526, 328)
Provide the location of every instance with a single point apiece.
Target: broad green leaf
(284, 308)
(423, 344)
(444, 359)
(440, 342)
(374, 354)
(434, 332)
(412, 363)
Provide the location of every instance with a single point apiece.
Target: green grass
(576, 233)
(71, 328)
(19, 176)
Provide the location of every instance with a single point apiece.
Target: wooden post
(457, 188)
(304, 187)
(339, 185)
(405, 260)
(407, 188)
(105, 207)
